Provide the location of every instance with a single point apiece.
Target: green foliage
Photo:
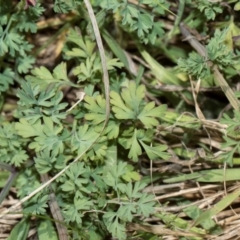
(11, 148)
(20, 231)
(12, 40)
(42, 123)
(134, 202)
(43, 134)
(37, 205)
(135, 140)
(209, 8)
(90, 67)
(7, 79)
(194, 65)
(84, 138)
(37, 104)
(43, 77)
(217, 52)
(130, 105)
(29, 179)
(46, 230)
(138, 19)
(230, 141)
(46, 161)
(74, 213)
(96, 107)
(47, 136)
(40, 133)
(13, 28)
(61, 6)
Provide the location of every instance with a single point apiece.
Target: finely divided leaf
(60, 71)
(26, 130)
(125, 212)
(145, 205)
(6, 79)
(43, 77)
(114, 226)
(46, 230)
(135, 149)
(155, 152)
(96, 107)
(120, 109)
(84, 138)
(148, 113)
(129, 105)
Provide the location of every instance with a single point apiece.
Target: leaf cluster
(12, 33)
(210, 9)
(89, 66)
(135, 18)
(83, 188)
(217, 52)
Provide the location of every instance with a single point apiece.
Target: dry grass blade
(102, 56)
(160, 230)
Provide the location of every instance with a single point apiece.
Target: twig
(56, 213)
(174, 88)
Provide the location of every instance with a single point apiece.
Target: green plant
(99, 157)
(102, 187)
(42, 124)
